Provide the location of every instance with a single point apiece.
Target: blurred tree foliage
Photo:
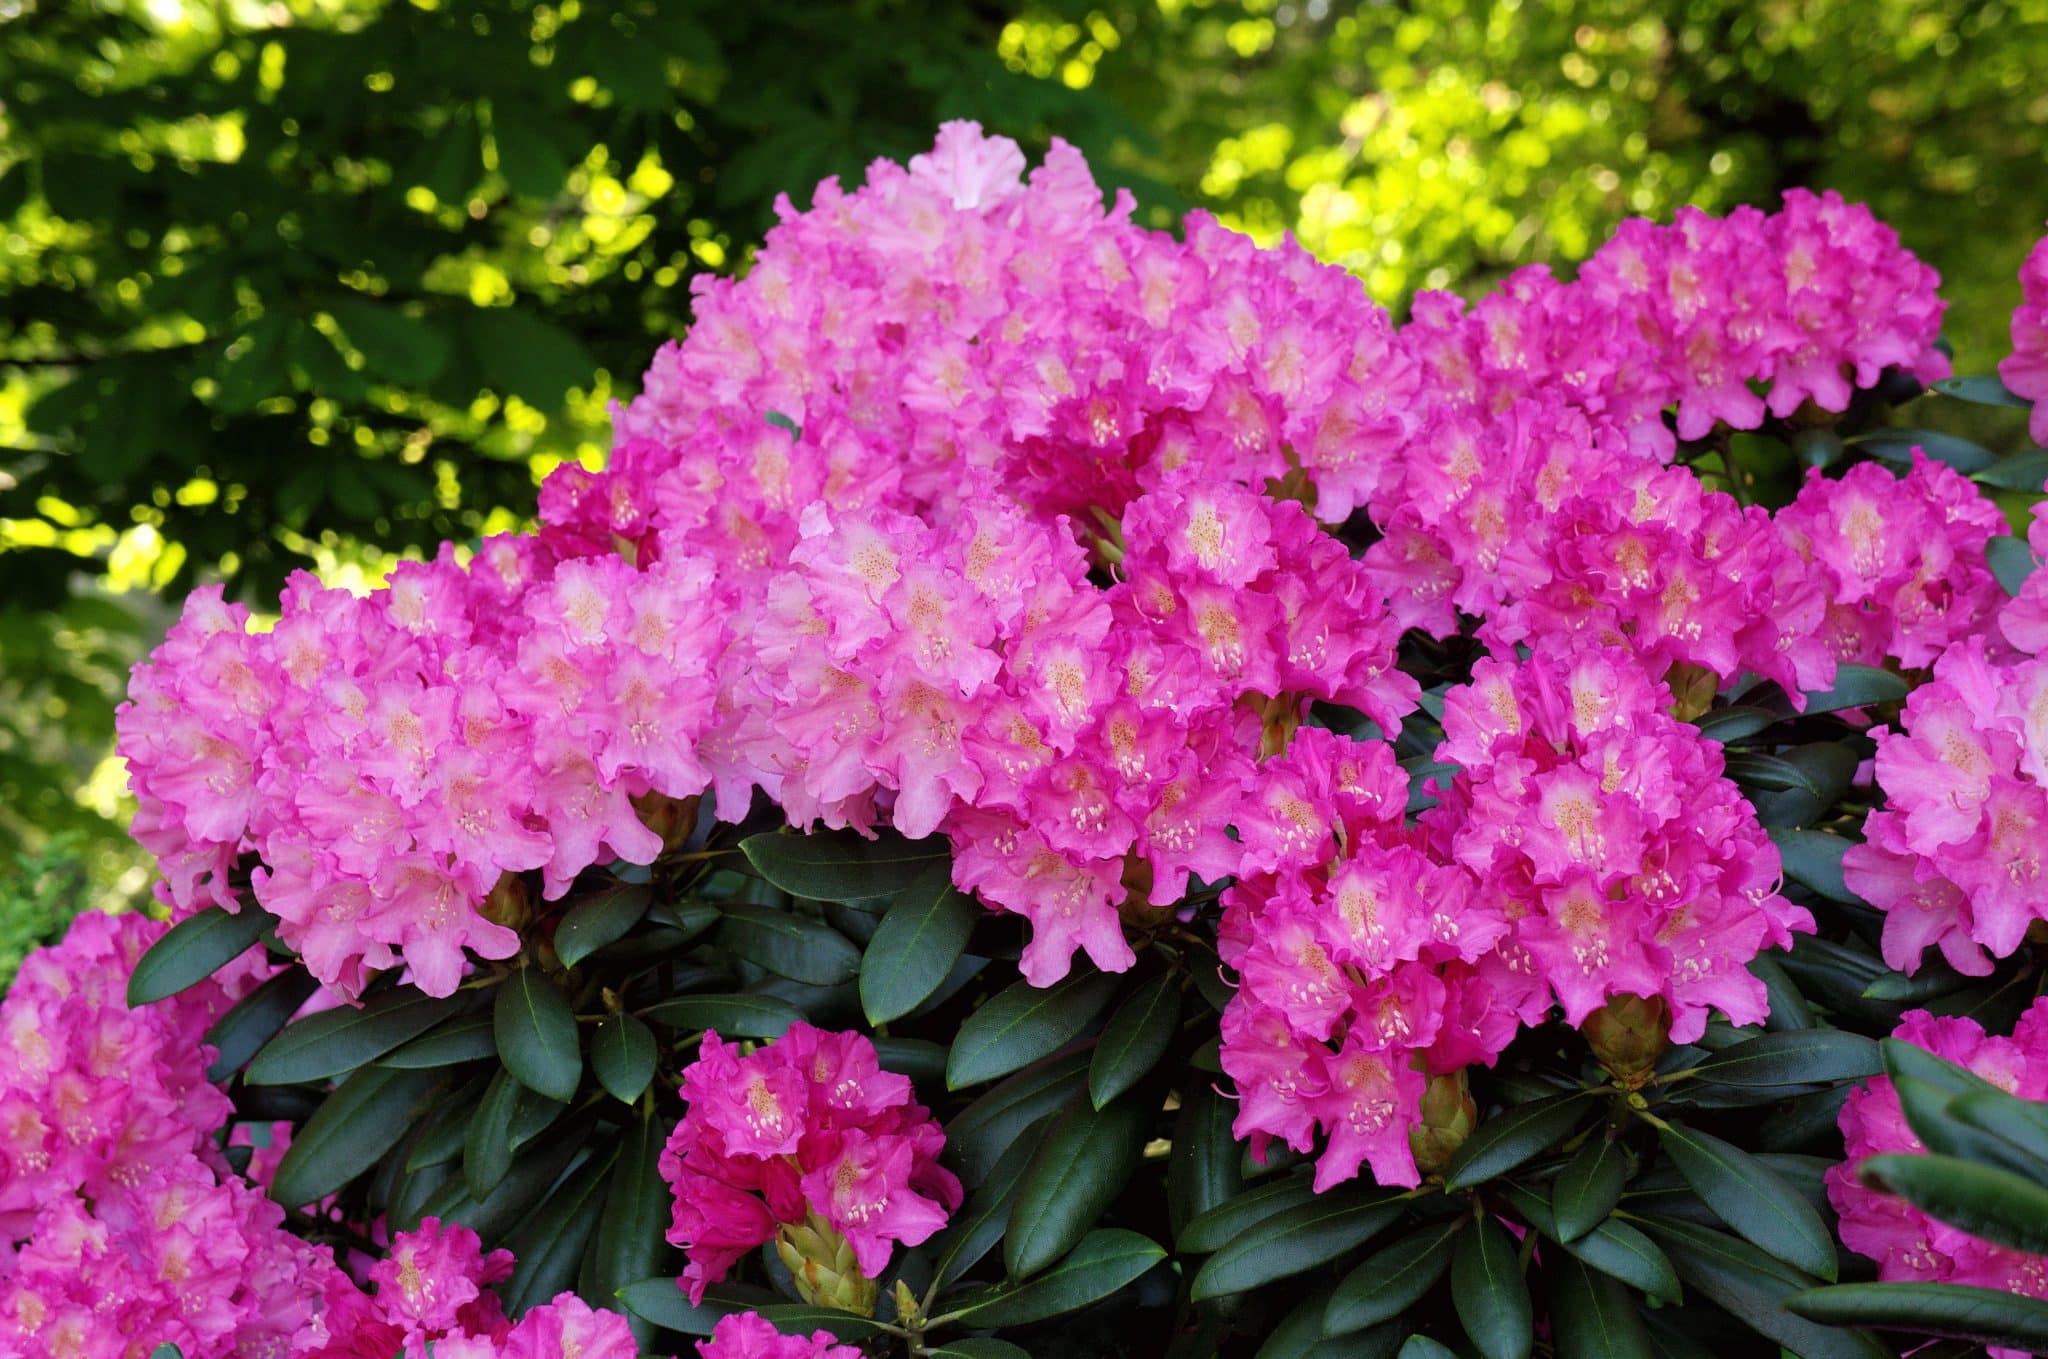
(302, 282)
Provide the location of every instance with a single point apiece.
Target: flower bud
(1448, 1114)
(1628, 1034)
(822, 1263)
(673, 819)
(1692, 689)
(510, 903)
(1137, 909)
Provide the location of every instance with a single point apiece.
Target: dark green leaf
(466, 1038)
(526, 356)
(194, 949)
(447, 1128)
(1589, 1187)
(533, 166)
(1134, 1039)
(1227, 1221)
(1934, 980)
(1985, 1201)
(1897, 445)
(629, 1244)
(1752, 1198)
(536, 1033)
(1796, 1058)
(1927, 1114)
(1989, 1316)
(840, 865)
(2011, 560)
(255, 1020)
(980, 1347)
(1770, 773)
(981, 1222)
(802, 1319)
(327, 1044)
(732, 1016)
(1905, 1059)
(1613, 1247)
(1393, 1279)
(394, 344)
(662, 1302)
(1201, 1169)
(1982, 391)
(1814, 858)
(1789, 1009)
(549, 1243)
(2025, 471)
(1106, 1260)
(622, 1055)
(918, 1058)
(984, 1130)
(1592, 1317)
(487, 1147)
(599, 920)
(1298, 1239)
(1077, 1172)
(363, 1119)
(1300, 1334)
(789, 945)
(1753, 1287)
(916, 945)
(1732, 724)
(1858, 686)
(1023, 1023)
(1512, 1137)
(1422, 1347)
(2021, 1123)
(1491, 1297)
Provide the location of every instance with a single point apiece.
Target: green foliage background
(309, 283)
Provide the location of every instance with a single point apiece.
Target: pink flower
(2025, 370)
(745, 1335)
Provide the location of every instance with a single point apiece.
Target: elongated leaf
(629, 1244)
(1752, 1198)
(1985, 1201)
(1789, 1009)
(465, 1038)
(1617, 1249)
(2023, 1124)
(789, 945)
(802, 1319)
(1988, 1316)
(732, 1016)
(1076, 1174)
(1490, 1294)
(1592, 1316)
(1589, 1187)
(536, 1033)
(981, 1222)
(2024, 471)
(1982, 391)
(1858, 686)
(1897, 445)
(1392, 1280)
(240, 1033)
(447, 1128)
(1202, 1169)
(1298, 1239)
(1106, 1260)
(549, 1244)
(1300, 1335)
(2011, 560)
(916, 945)
(1733, 724)
(1512, 1137)
(1926, 1108)
(1770, 773)
(363, 1119)
(1753, 1287)
(1797, 1058)
(983, 1131)
(1023, 1023)
(1135, 1038)
(194, 949)
(1422, 1347)
(487, 1147)
(1904, 1060)
(840, 865)
(327, 1044)
(1814, 858)
(661, 1302)
(980, 1347)
(622, 1055)
(1230, 1219)
(600, 919)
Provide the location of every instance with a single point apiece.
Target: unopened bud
(908, 1313)
(510, 903)
(1137, 909)
(822, 1263)
(1692, 689)
(1628, 1034)
(673, 819)
(1448, 1114)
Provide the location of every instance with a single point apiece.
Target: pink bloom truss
(2025, 370)
(743, 1335)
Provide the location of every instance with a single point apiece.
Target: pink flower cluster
(807, 1128)
(388, 759)
(743, 1335)
(1588, 848)
(1901, 559)
(1907, 1244)
(430, 1296)
(1954, 857)
(2025, 370)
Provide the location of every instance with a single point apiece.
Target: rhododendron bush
(1071, 789)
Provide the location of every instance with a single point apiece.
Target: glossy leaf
(1752, 1198)
(1987, 1316)
(255, 1019)
(841, 865)
(536, 1034)
(1897, 445)
(2023, 471)
(983, 1219)
(1797, 1058)
(630, 1242)
(364, 1118)
(1137, 1035)
(1201, 1168)
(2011, 561)
(1814, 859)
(1512, 1137)
(732, 1016)
(1985, 1201)
(2021, 1123)
(600, 919)
(194, 949)
(1023, 1023)
(1490, 1294)
(622, 1056)
(789, 945)
(327, 1044)
(659, 1301)
(1983, 391)
(917, 943)
(1753, 1287)
(1393, 1279)
(465, 1038)
(982, 1132)
(1298, 1239)
(1858, 686)
(1106, 1260)
(487, 1147)
(1075, 1175)
(980, 1347)
(1224, 1223)
(804, 1320)
(1592, 1317)
(1589, 1187)
(548, 1245)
